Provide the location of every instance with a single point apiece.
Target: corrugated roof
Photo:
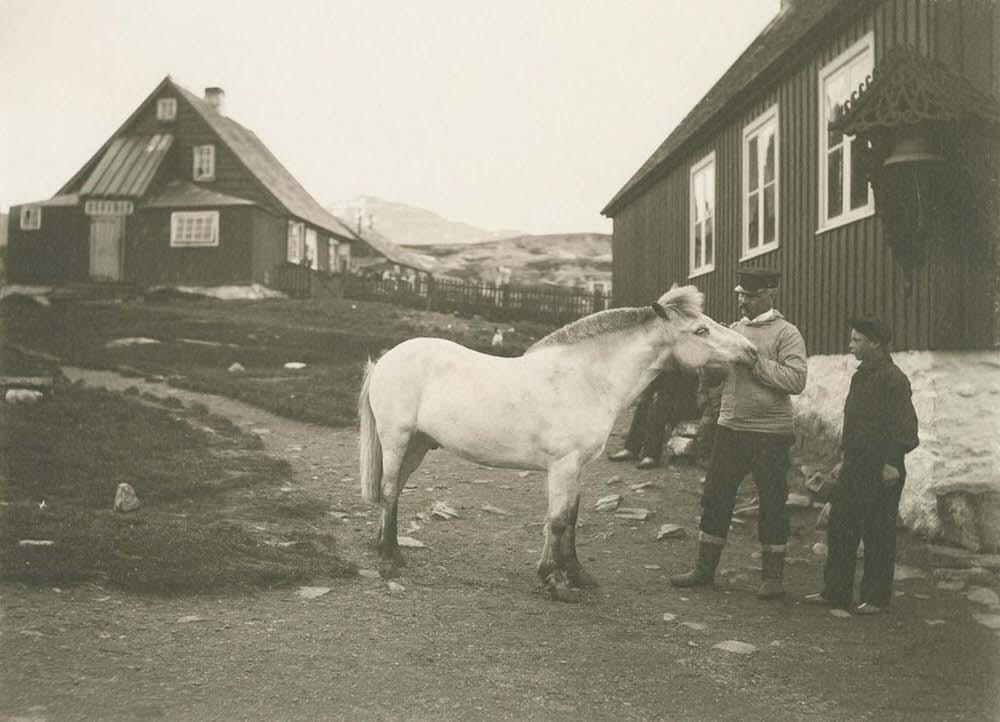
(266, 168)
(788, 28)
(128, 166)
(181, 194)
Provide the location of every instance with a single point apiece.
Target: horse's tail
(369, 444)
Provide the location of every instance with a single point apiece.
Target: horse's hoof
(569, 595)
(388, 570)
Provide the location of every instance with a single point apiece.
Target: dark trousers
(648, 428)
(736, 454)
(863, 507)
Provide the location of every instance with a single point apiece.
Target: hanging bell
(913, 144)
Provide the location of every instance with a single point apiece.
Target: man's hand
(890, 474)
(751, 356)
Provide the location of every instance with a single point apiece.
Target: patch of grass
(201, 481)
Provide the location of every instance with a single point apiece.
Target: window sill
(701, 271)
(847, 219)
(759, 252)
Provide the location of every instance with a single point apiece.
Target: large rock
(126, 498)
(23, 396)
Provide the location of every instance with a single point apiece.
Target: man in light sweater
(754, 435)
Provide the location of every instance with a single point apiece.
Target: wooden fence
(556, 304)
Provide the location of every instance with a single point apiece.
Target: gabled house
(179, 194)
(755, 175)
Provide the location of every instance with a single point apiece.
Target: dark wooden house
(180, 194)
(755, 176)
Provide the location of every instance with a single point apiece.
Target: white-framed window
(296, 241)
(31, 218)
(194, 228)
(166, 109)
(760, 184)
(845, 194)
(204, 162)
(312, 249)
(344, 257)
(702, 191)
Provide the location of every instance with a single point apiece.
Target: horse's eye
(702, 331)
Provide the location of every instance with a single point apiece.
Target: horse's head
(690, 338)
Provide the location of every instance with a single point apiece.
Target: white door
(107, 248)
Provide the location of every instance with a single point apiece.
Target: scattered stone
(35, 543)
(755, 555)
(696, 626)
(798, 501)
(396, 588)
(904, 572)
(493, 509)
(640, 487)
(295, 365)
(821, 484)
(633, 513)
(237, 368)
(820, 550)
(990, 621)
(408, 541)
(130, 341)
(614, 480)
(413, 527)
(125, 498)
(933, 622)
(608, 503)
(680, 446)
(686, 428)
(524, 474)
(988, 561)
(984, 596)
(922, 596)
(652, 567)
(339, 514)
(747, 510)
(840, 613)
(23, 396)
(312, 592)
(671, 531)
(668, 617)
(369, 574)
(188, 618)
(481, 481)
(973, 575)
(731, 645)
(823, 518)
(440, 510)
(951, 586)
(692, 644)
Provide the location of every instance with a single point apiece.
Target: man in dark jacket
(880, 428)
(670, 398)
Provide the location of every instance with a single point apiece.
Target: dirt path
(470, 637)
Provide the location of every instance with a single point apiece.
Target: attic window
(204, 162)
(31, 218)
(166, 109)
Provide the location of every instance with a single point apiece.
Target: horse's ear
(660, 310)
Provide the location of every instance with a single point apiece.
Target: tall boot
(705, 565)
(772, 573)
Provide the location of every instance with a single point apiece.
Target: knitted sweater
(759, 399)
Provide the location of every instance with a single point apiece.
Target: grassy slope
(73, 449)
(332, 337)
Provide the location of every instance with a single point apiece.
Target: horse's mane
(679, 301)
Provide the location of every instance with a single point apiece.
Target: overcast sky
(520, 114)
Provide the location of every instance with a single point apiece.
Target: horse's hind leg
(397, 465)
(564, 496)
(578, 577)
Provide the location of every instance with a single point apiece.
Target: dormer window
(31, 218)
(204, 162)
(166, 109)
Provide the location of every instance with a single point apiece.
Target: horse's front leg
(564, 497)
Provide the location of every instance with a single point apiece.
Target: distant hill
(565, 259)
(411, 226)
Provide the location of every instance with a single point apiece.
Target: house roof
(128, 166)
(250, 151)
(181, 194)
(796, 21)
(266, 168)
(383, 246)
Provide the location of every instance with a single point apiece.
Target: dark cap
(873, 327)
(754, 280)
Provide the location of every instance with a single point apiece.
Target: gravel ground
(471, 637)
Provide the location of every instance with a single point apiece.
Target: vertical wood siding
(830, 276)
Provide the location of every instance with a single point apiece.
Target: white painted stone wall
(957, 399)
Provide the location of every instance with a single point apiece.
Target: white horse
(552, 408)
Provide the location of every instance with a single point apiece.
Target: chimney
(216, 98)
(786, 4)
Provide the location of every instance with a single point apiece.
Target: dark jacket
(880, 424)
